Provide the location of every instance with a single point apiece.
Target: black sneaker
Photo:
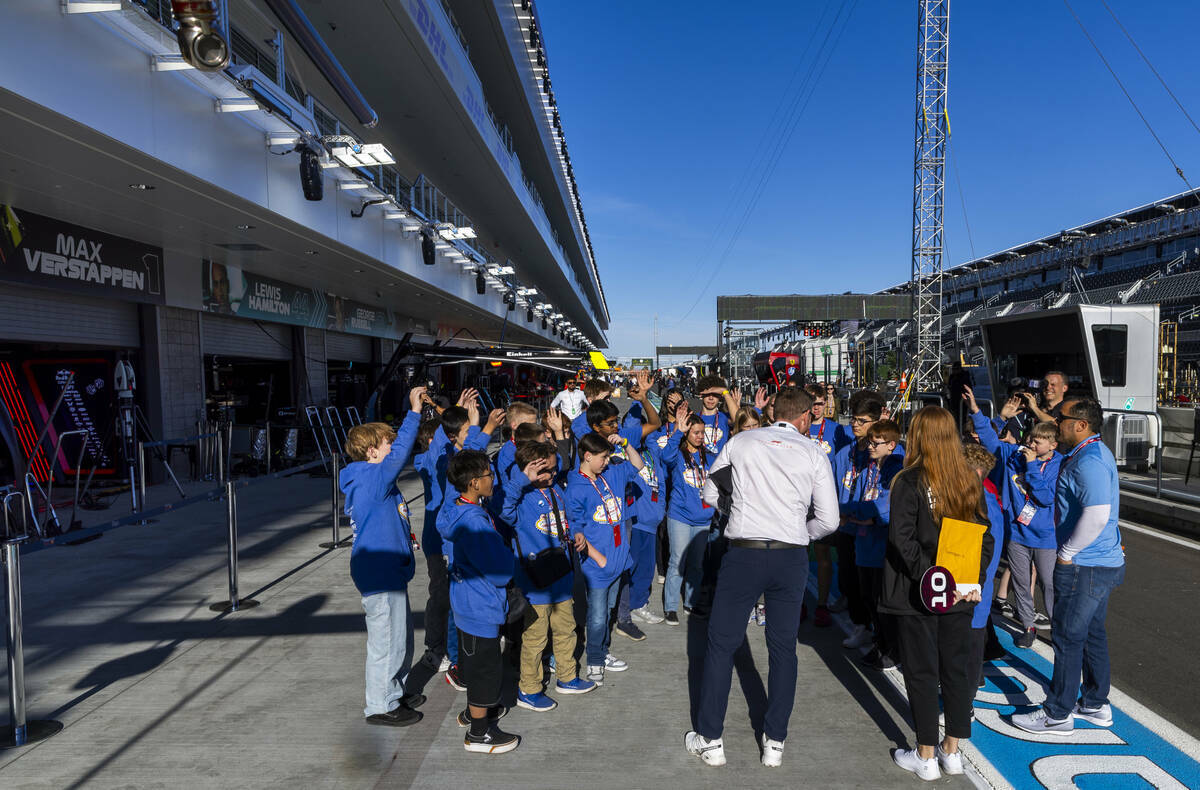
(878, 661)
(630, 631)
(1026, 639)
(672, 618)
(400, 717)
(454, 680)
(413, 701)
(495, 741)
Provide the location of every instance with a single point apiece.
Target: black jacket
(912, 547)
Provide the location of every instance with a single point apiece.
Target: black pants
(937, 648)
(779, 575)
(481, 668)
(870, 582)
(847, 578)
(437, 608)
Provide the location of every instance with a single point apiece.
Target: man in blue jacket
(480, 571)
(381, 561)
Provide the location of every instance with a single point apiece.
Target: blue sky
(666, 106)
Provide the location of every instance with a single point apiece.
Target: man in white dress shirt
(783, 497)
(570, 401)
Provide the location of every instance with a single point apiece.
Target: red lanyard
(462, 500)
(616, 527)
(821, 432)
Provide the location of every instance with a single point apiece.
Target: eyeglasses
(711, 395)
(881, 443)
(861, 420)
(488, 473)
(1059, 419)
(817, 403)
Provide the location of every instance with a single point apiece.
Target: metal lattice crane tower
(933, 131)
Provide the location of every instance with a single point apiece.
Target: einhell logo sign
(50, 253)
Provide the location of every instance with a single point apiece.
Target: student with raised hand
(649, 508)
(381, 560)
(714, 393)
(480, 571)
(596, 510)
(1028, 473)
(869, 512)
(979, 459)
(689, 517)
(518, 414)
(593, 390)
(538, 507)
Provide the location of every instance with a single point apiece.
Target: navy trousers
(780, 576)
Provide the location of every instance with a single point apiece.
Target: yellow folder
(960, 551)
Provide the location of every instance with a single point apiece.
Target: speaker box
(311, 180)
(428, 248)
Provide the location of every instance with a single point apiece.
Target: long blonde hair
(935, 452)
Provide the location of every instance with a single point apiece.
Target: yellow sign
(598, 360)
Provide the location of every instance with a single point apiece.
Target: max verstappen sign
(50, 253)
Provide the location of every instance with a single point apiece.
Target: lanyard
(558, 517)
(462, 500)
(873, 473)
(820, 433)
(700, 470)
(616, 526)
(1063, 466)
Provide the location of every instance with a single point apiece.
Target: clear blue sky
(665, 105)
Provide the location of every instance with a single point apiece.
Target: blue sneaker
(537, 702)
(576, 686)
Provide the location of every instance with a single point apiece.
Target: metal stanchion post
(220, 457)
(20, 731)
(234, 603)
(336, 513)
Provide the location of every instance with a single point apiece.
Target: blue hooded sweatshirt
(579, 425)
(597, 509)
(382, 557)
(476, 440)
(848, 465)
(716, 432)
(645, 502)
(502, 466)
(688, 473)
(540, 518)
(996, 527)
(429, 465)
(871, 503)
(1020, 482)
(480, 571)
(830, 436)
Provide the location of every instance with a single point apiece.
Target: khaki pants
(558, 618)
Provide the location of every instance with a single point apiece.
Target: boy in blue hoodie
(537, 506)
(596, 510)
(381, 560)
(1029, 474)
(870, 513)
(480, 570)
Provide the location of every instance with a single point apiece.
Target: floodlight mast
(932, 134)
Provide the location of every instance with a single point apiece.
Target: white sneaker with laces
(442, 667)
(772, 752)
(595, 674)
(645, 615)
(711, 752)
(1038, 722)
(1101, 716)
(860, 636)
(614, 664)
(950, 763)
(909, 760)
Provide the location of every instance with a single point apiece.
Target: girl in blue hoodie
(480, 572)
(596, 509)
(689, 517)
(381, 560)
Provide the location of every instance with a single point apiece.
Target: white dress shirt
(778, 475)
(572, 402)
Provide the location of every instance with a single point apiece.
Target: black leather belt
(743, 543)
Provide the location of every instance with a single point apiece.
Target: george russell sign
(50, 253)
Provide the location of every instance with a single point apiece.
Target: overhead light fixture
(480, 282)
(236, 105)
(347, 186)
(245, 227)
(169, 63)
(89, 6)
(528, 291)
(394, 214)
(311, 252)
(351, 154)
(141, 187)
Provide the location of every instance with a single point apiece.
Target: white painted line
(1154, 533)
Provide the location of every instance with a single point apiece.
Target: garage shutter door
(36, 316)
(233, 337)
(353, 348)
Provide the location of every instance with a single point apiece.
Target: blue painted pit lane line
(1140, 750)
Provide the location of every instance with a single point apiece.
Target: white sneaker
(660, 579)
(614, 664)
(772, 752)
(950, 763)
(909, 760)
(645, 615)
(860, 636)
(711, 752)
(595, 674)
(442, 667)
(1101, 716)
(1039, 722)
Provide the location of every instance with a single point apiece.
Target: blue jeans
(641, 551)
(1080, 641)
(600, 603)
(686, 563)
(779, 575)
(389, 649)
